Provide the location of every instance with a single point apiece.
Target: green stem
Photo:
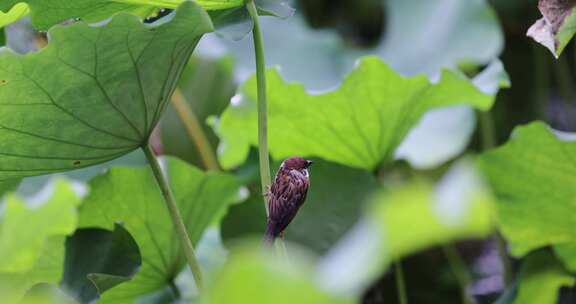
(400, 282)
(181, 231)
(506, 263)
(459, 269)
(488, 141)
(541, 81)
(174, 289)
(265, 178)
(263, 154)
(194, 130)
(564, 80)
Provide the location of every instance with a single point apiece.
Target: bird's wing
(287, 195)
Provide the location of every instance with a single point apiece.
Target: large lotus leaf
(359, 124)
(46, 13)
(405, 221)
(456, 32)
(255, 276)
(533, 176)
(541, 278)
(131, 196)
(93, 94)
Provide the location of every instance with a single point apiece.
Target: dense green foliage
(418, 187)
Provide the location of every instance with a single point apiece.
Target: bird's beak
(308, 163)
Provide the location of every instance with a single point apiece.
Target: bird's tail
(270, 234)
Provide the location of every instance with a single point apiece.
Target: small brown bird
(287, 194)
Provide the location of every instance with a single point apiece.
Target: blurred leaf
(333, 205)
(360, 124)
(46, 13)
(30, 185)
(276, 8)
(24, 229)
(232, 24)
(9, 185)
(440, 135)
(507, 297)
(407, 220)
(97, 260)
(235, 23)
(254, 276)
(410, 223)
(541, 278)
(47, 269)
(32, 239)
(244, 220)
(132, 197)
(104, 282)
(207, 4)
(14, 14)
(47, 127)
(567, 253)
(46, 294)
(492, 78)
(556, 27)
(456, 31)
(444, 133)
(325, 66)
(533, 176)
(208, 86)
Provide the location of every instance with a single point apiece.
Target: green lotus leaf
(46, 13)
(93, 94)
(533, 177)
(360, 124)
(131, 196)
(541, 277)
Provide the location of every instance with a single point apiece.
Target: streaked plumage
(287, 194)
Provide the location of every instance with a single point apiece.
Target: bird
(286, 195)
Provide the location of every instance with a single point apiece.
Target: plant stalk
(175, 215)
(564, 80)
(265, 178)
(263, 155)
(194, 130)
(488, 141)
(541, 81)
(459, 270)
(400, 282)
(487, 138)
(174, 289)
